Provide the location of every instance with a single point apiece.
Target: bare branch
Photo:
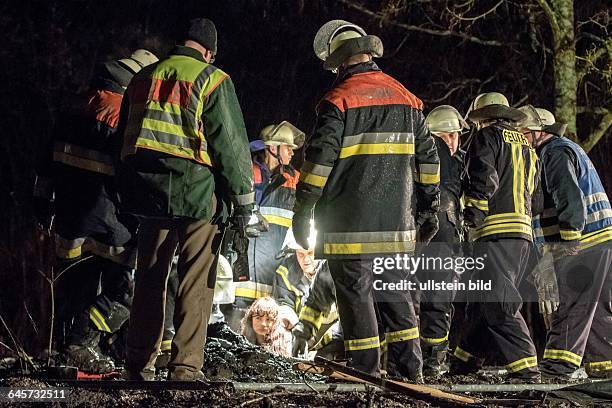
(594, 111)
(458, 17)
(410, 27)
(599, 132)
(552, 19)
(591, 58)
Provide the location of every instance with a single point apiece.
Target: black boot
(434, 359)
(83, 351)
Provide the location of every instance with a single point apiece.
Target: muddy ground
(231, 358)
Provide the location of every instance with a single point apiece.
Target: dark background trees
(445, 51)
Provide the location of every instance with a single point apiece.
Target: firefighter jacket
(291, 286)
(319, 307)
(449, 215)
(184, 138)
(276, 205)
(370, 160)
(576, 206)
(80, 172)
(502, 171)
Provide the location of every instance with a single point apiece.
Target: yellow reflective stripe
(533, 165)
(68, 253)
(173, 129)
(72, 158)
(402, 335)
(597, 237)
(324, 340)
(431, 340)
(252, 290)
(522, 364)
(313, 179)
(367, 248)
(517, 189)
(97, 318)
(284, 273)
(525, 219)
(502, 229)
(599, 366)
(564, 355)
(362, 344)
(172, 149)
(425, 178)
(275, 219)
(482, 205)
(378, 148)
(462, 354)
(312, 315)
(570, 235)
(166, 345)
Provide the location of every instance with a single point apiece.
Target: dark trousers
(197, 241)
(493, 318)
(84, 308)
(582, 326)
(436, 307)
(367, 316)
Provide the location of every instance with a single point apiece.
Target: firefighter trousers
(372, 318)
(582, 326)
(197, 241)
(493, 318)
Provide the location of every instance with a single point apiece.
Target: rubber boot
(434, 359)
(83, 351)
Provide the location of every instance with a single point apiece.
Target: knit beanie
(204, 32)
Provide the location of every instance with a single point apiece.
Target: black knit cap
(204, 32)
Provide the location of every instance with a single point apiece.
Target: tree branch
(552, 19)
(591, 58)
(594, 111)
(458, 17)
(409, 27)
(599, 132)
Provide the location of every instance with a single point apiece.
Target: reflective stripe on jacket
(576, 206)
(502, 171)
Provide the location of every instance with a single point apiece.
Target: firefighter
(275, 180)
(184, 156)
(86, 217)
(436, 309)
(501, 177)
(370, 156)
(576, 228)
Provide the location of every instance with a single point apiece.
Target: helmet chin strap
(278, 158)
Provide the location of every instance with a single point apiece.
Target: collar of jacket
(107, 84)
(187, 51)
(544, 143)
(360, 68)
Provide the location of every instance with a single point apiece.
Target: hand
(300, 341)
(257, 225)
(301, 229)
(427, 227)
(241, 217)
(545, 282)
(473, 217)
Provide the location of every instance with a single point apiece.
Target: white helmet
(445, 119)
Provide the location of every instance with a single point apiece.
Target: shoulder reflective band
(377, 143)
(83, 158)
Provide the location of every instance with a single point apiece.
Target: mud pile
(231, 356)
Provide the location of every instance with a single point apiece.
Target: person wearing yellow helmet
(575, 227)
(501, 178)
(436, 309)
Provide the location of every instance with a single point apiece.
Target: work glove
(545, 282)
(473, 217)
(300, 341)
(301, 229)
(248, 221)
(427, 226)
(563, 249)
(257, 225)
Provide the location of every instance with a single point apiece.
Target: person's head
(260, 319)
(340, 43)
(539, 125)
(446, 123)
(201, 35)
(280, 141)
(490, 107)
(306, 259)
(123, 70)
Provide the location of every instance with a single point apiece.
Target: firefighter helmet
(445, 119)
(282, 134)
(493, 105)
(338, 40)
(139, 59)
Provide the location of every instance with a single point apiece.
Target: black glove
(301, 229)
(240, 268)
(300, 340)
(427, 226)
(254, 230)
(241, 217)
(473, 217)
